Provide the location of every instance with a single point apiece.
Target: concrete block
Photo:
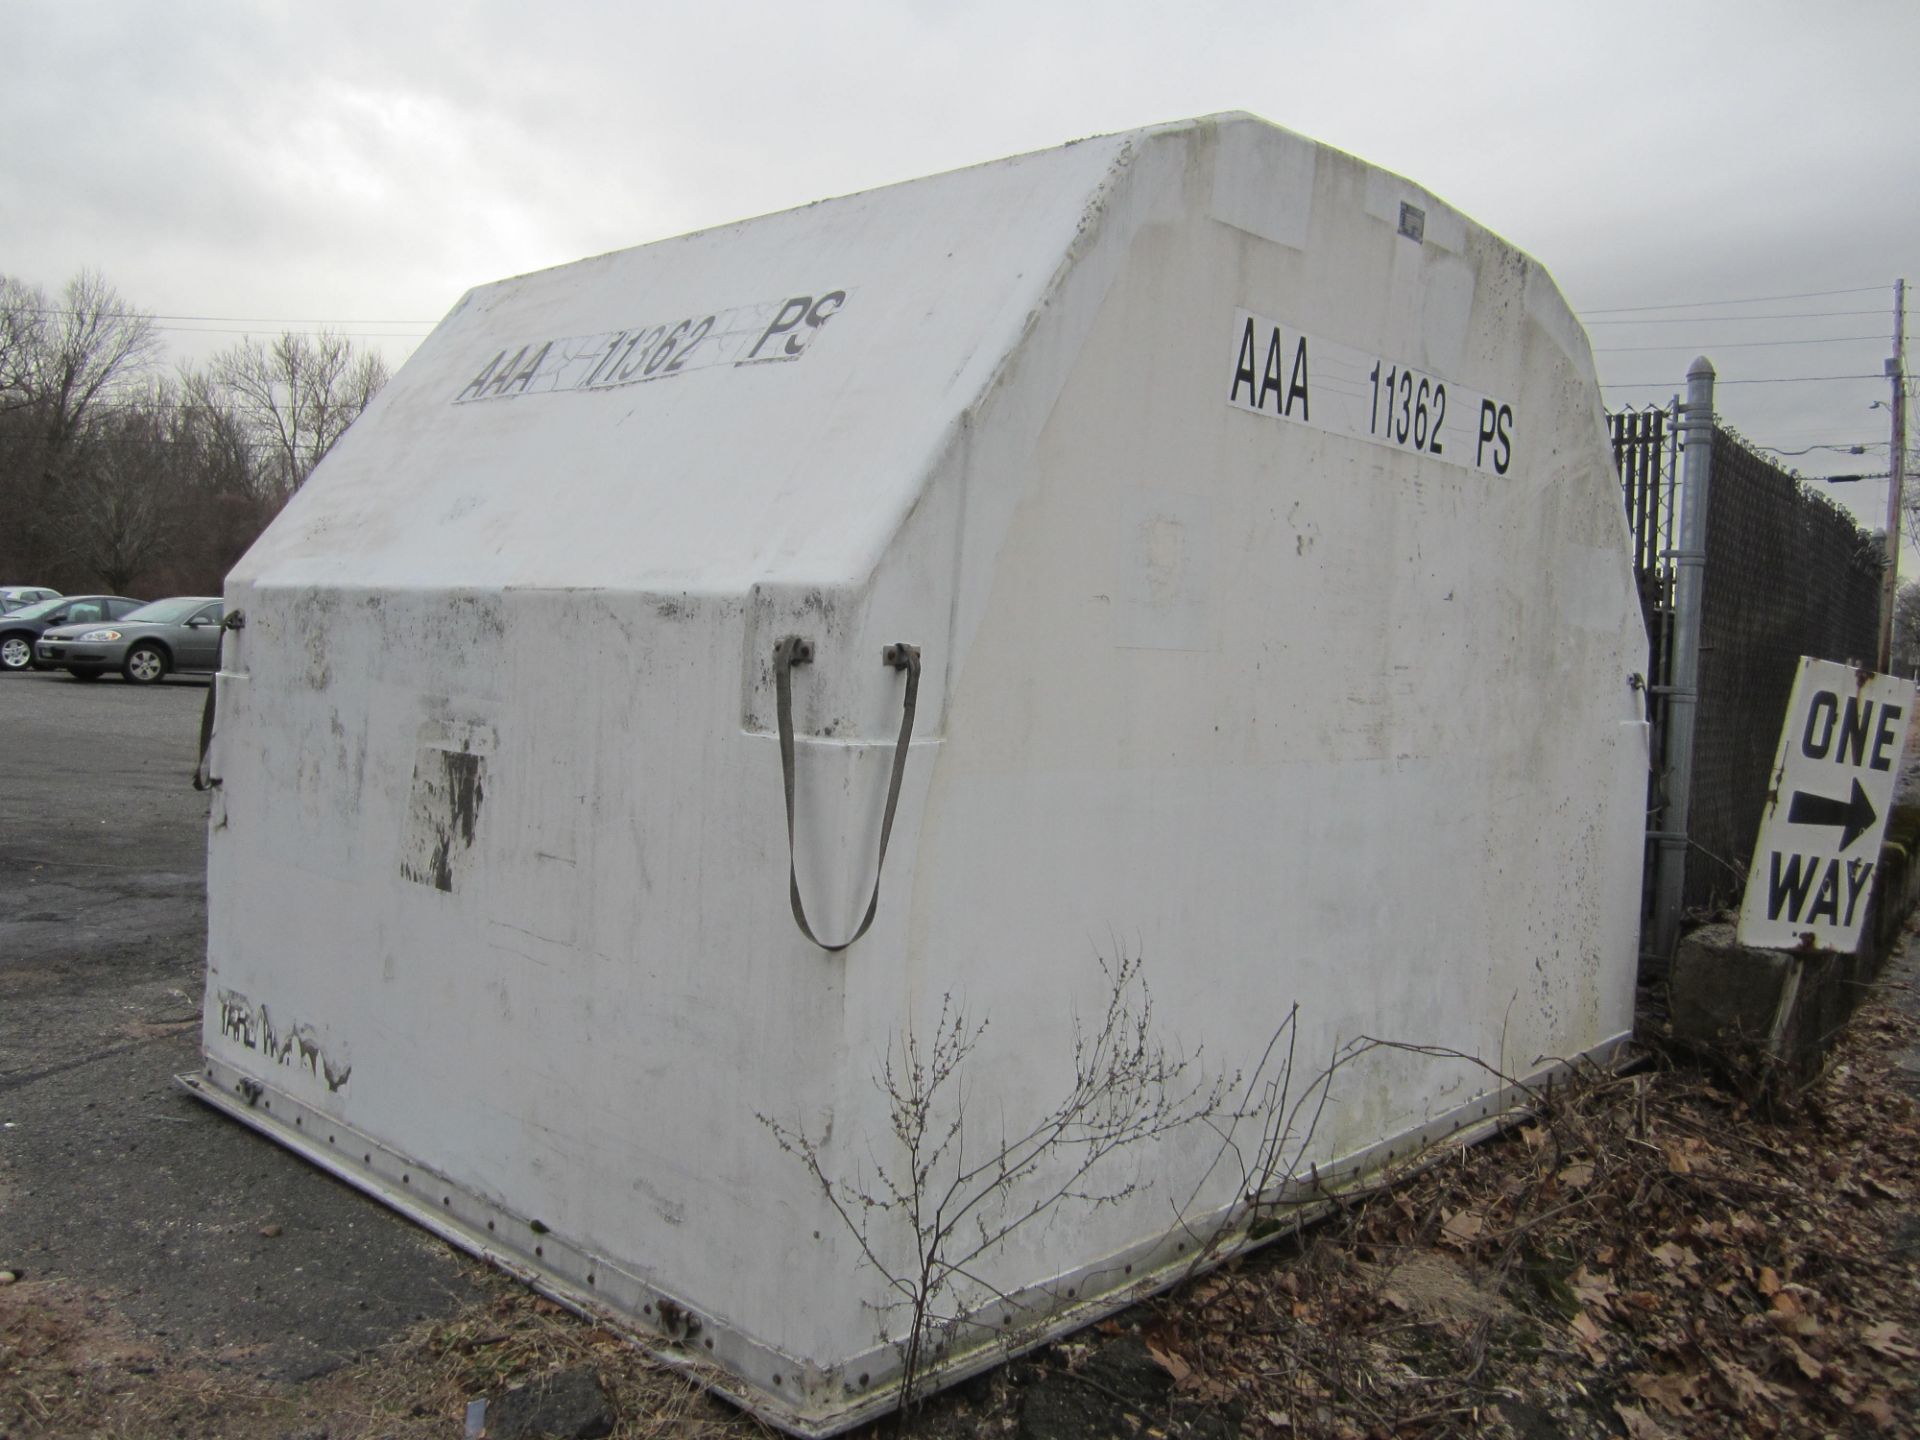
(1779, 1009)
(1783, 1008)
(1720, 992)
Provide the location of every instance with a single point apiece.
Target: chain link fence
(1788, 573)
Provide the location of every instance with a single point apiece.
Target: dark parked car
(144, 644)
(20, 629)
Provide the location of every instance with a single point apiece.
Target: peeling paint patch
(448, 788)
(252, 1025)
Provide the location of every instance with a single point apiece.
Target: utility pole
(1897, 472)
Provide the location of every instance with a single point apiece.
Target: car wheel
(16, 653)
(144, 664)
(84, 674)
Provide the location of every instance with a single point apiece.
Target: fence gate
(1646, 452)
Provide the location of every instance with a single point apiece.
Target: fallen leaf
(1534, 1135)
(1769, 1280)
(1673, 1393)
(1207, 1387)
(1808, 1366)
(1576, 1175)
(1590, 1336)
(1749, 1390)
(1801, 1325)
(1462, 1228)
(1207, 1289)
(1876, 1409)
(1593, 1291)
(1674, 1256)
(1639, 1425)
(1888, 1340)
(1170, 1362)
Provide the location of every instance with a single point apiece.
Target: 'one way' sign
(1833, 783)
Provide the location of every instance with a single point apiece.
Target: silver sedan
(182, 633)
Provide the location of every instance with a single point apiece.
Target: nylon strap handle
(201, 779)
(794, 651)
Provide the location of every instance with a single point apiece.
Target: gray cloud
(363, 161)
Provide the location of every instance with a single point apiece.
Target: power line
(304, 329)
(217, 319)
(210, 446)
(1750, 300)
(140, 404)
(1735, 344)
(1797, 379)
(1773, 380)
(1853, 447)
(1729, 319)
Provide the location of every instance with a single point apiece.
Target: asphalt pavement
(201, 1233)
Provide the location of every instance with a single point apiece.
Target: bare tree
(297, 397)
(1906, 629)
(72, 357)
(63, 365)
(107, 476)
(230, 493)
(954, 1197)
(22, 318)
(122, 501)
(215, 440)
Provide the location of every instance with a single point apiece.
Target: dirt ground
(1661, 1253)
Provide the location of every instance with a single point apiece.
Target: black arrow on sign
(1855, 816)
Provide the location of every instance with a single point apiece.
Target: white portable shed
(1240, 521)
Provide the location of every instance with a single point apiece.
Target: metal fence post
(1683, 697)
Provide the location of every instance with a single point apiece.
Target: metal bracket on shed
(796, 650)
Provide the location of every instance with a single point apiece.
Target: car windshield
(165, 612)
(41, 608)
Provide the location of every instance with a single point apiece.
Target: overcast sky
(363, 164)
